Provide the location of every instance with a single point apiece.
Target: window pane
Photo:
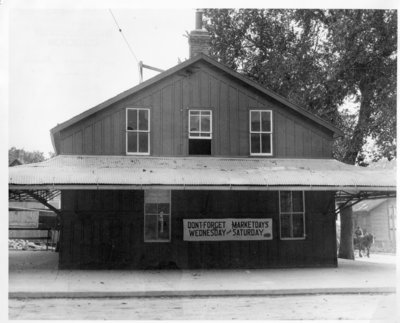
(286, 202)
(157, 196)
(163, 227)
(143, 142)
(298, 225)
(194, 123)
(255, 143)
(255, 121)
(151, 208)
(151, 223)
(132, 120)
(297, 201)
(205, 123)
(285, 226)
(132, 142)
(266, 121)
(195, 112)
(266, 143)
(163, 207)
(143, 120)
(199, 146)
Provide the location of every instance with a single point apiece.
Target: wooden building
(198, 167)
(379, 218)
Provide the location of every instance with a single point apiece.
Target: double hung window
(157, 215)
(138, 131)
(291, 214)
(261, 132)
(200, 132)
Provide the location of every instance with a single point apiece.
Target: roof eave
(202, 187)
(276, 96)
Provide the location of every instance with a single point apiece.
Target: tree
(365, 42)
(318, 59)
(25, 157)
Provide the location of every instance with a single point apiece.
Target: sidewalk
(35, 275)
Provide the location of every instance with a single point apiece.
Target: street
(301, 307)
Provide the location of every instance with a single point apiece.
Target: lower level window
(291, 215)
(157, 215)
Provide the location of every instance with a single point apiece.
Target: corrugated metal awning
(129, 172)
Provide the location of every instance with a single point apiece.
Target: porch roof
(130, 172)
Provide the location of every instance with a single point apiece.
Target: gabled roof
(130, 172)
(182, 66)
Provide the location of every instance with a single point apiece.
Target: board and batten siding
(105, 229)
(103, 133)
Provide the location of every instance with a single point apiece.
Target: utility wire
(123, 36)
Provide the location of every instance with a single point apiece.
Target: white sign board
(227, 229)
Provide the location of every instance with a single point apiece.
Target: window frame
(210, 133)
(260, 132)
(138, 131)
(169, 221)
(291, 217)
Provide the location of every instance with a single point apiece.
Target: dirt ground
(299, 307)
(41, 259)
(305, 307)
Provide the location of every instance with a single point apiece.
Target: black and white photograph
(200, 162)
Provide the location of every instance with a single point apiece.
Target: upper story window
(261, 132)
(138, 131)
(291, 215)
(200, 132)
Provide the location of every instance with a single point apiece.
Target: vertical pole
(140, 66)
(388, 218)
(199, 19)
(346, 249)
(47, 240)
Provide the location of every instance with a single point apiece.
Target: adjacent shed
(379, 218)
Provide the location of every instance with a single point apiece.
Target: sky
(65, 61)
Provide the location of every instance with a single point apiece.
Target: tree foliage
(318, 59)
(25, 157)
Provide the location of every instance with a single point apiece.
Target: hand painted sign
(227, 229)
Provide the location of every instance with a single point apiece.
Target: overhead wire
(123, 36)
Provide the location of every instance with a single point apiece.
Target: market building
(198, 167)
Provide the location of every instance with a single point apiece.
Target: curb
(202, 293)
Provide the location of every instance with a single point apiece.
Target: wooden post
(346, 249)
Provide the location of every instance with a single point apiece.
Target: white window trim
(144, 222)
(137, 131)
(304, 219)
(201, 133)
(261, 132)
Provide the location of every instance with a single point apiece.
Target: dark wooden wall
(104, 132)
(104, 229)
